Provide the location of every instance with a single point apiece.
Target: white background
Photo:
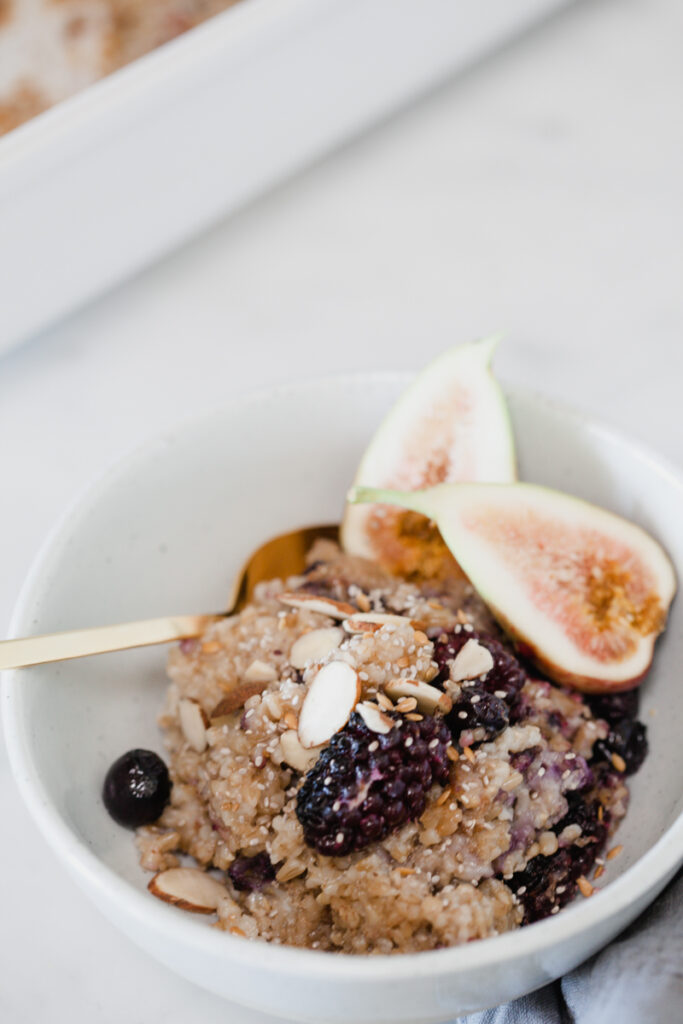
(540, 194)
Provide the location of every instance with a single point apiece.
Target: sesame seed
(521, 890)
(339, 838)
(374, 745)
(619, 762)
(433, 743)
(541, 772)
(555, 910)
(614, 852)
(499, 693)
(409, 742)
(462, 714)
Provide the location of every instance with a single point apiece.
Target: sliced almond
(471, 661)
(234, 700)
(375, 719)
(260, 672)
(313, 603)
(429, 698)
(296, 755)
(331, 698)
(369, 622)
(193, 723)
(189, 889)
(315, 646)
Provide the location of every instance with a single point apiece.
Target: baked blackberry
(365, 785)
(504, 681)
(628, 739)
(614, 707)
(550, 882)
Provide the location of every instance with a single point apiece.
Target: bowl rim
(655, 866)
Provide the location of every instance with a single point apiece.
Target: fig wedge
(450, 425)
(581, 592)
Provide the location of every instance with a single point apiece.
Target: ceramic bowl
(164, 532)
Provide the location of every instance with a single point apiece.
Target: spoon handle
(78, 643)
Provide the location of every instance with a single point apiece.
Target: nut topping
(331, 698)
(322, 605)
(429, 699)
(315, 646)
(193, 723)
(471, 661)
(189, 889)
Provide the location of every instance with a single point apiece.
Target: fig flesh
(581, 592)
(450, 425)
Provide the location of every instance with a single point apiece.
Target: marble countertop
(539, 194)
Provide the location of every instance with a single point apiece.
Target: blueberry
(249, 874)
(477, 709)
(136, 788)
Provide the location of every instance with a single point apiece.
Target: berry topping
(477, 709)
(249, 874)
(614, 706)
(627, 740)
(136, 788)
(366, 784)
(550, 882)
(504, 680)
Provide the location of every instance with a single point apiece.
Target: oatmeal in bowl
(459, 798)
(370, 758)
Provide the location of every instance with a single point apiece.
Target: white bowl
(164, 532)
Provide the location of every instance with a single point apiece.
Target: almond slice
(331, 698)
(260, 672)
(429, 698)
(370, 622)
(193, 723)
(234, 700)
(189, 889)
(471, 661)
(295, 755)
(375, 719)
(322, 605)
(315, 646)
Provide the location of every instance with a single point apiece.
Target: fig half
(581, 592)
(450, 425)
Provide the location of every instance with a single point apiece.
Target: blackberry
(248, 874)
(628, 739)
(477, 709)
(506, 678)
(549, 882)
(365, 785)
(613, 707)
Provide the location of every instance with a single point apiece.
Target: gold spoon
(282, 556)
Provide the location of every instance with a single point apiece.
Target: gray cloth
(637, 979)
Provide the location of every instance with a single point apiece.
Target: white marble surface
(540, 194)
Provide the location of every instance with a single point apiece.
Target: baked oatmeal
(361, 764)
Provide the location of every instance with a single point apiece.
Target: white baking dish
(96, 188)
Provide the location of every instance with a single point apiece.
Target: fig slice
(450, 425)
(581, 592)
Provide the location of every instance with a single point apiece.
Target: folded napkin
(637, 979)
